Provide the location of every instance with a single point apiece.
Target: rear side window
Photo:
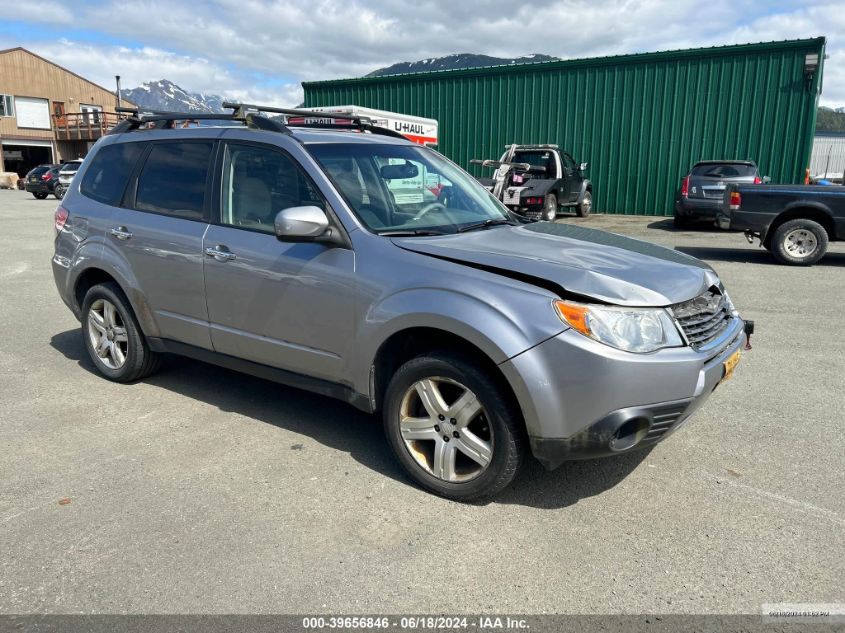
(725, 171)
(109, 172)
(173, 180)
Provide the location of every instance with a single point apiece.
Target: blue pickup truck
(794, 222)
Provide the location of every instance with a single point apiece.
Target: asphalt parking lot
(200, 490)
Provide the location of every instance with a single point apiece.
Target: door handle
(220, 253)
(121, 233)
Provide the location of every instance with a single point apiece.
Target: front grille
(704, 318)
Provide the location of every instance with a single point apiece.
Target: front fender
(586, 185)
(485, 325)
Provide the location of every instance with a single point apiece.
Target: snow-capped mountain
(166, 95)
(458, 60)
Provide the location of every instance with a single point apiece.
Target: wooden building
(48, 114)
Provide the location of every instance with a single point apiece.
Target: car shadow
(751, 256)
(668, 225)
(342, 427)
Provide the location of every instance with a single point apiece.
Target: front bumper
(582, 399)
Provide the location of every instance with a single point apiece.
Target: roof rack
(356, 122)
(248, 114)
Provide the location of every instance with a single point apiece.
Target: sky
(260, 50)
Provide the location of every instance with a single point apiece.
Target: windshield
(407, 188)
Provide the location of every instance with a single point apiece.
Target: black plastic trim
(291, 379)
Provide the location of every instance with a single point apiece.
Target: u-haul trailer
(414, 128)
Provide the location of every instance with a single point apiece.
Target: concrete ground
(201, 490)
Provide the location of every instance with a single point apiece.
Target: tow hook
(749, 330)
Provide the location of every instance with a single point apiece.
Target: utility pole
(117, 94)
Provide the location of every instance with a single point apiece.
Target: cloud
(240, 45)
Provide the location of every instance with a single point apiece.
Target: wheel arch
(103, 273)
(803, 211)
(411, 342)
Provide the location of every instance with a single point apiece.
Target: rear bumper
(582, 399)
(37, 187)
(705, 209)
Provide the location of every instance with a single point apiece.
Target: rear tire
(39, 196)
(585, 207)
(550, 208)
(112, 336)
(58, 191)
(799, 242)
(451, 428)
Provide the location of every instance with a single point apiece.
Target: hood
(595, 264)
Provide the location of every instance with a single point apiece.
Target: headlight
(630, 329)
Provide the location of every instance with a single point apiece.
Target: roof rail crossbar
(356, 122)
(535, 146)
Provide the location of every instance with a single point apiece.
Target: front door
(573, 177)
(161, 237)
(287, 305)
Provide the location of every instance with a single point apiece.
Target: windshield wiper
(485, 224)
(412, 232)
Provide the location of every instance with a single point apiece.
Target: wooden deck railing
(84, 126)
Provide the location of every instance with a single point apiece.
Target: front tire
(113, 338)
(585, 207)
(58, 191)
(799, 242)
(550, 208)
(39, 196)
(451, 428)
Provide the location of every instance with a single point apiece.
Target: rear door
(160, 233)
(287, 305)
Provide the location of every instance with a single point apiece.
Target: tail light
(60, 218)
(534, 201)
(735, 200)
(47, 176)
(758, 180)
(685, 187)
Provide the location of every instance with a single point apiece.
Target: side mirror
(583, 166)
(301, 224)
(766, 180)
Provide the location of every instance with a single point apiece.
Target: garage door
(32, 113)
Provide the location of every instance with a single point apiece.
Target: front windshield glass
(407, 188)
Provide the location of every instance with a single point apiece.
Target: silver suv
(358, 265)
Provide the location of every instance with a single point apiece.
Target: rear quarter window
(109, 172)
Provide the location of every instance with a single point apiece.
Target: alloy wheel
(445, 429)
(107, 334)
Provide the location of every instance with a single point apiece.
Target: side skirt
(281, 376)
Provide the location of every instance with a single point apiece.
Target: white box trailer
(414, 128)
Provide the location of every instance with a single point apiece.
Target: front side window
(259, 182)
(109, 171)
(173, 180)
(406, 188)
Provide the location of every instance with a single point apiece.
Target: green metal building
(640, 121)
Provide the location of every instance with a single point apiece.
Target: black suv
(702, 189)
(41, 181)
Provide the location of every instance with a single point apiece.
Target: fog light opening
(630, 434)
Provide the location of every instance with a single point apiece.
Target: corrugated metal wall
(828, 157)
(640, 121)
